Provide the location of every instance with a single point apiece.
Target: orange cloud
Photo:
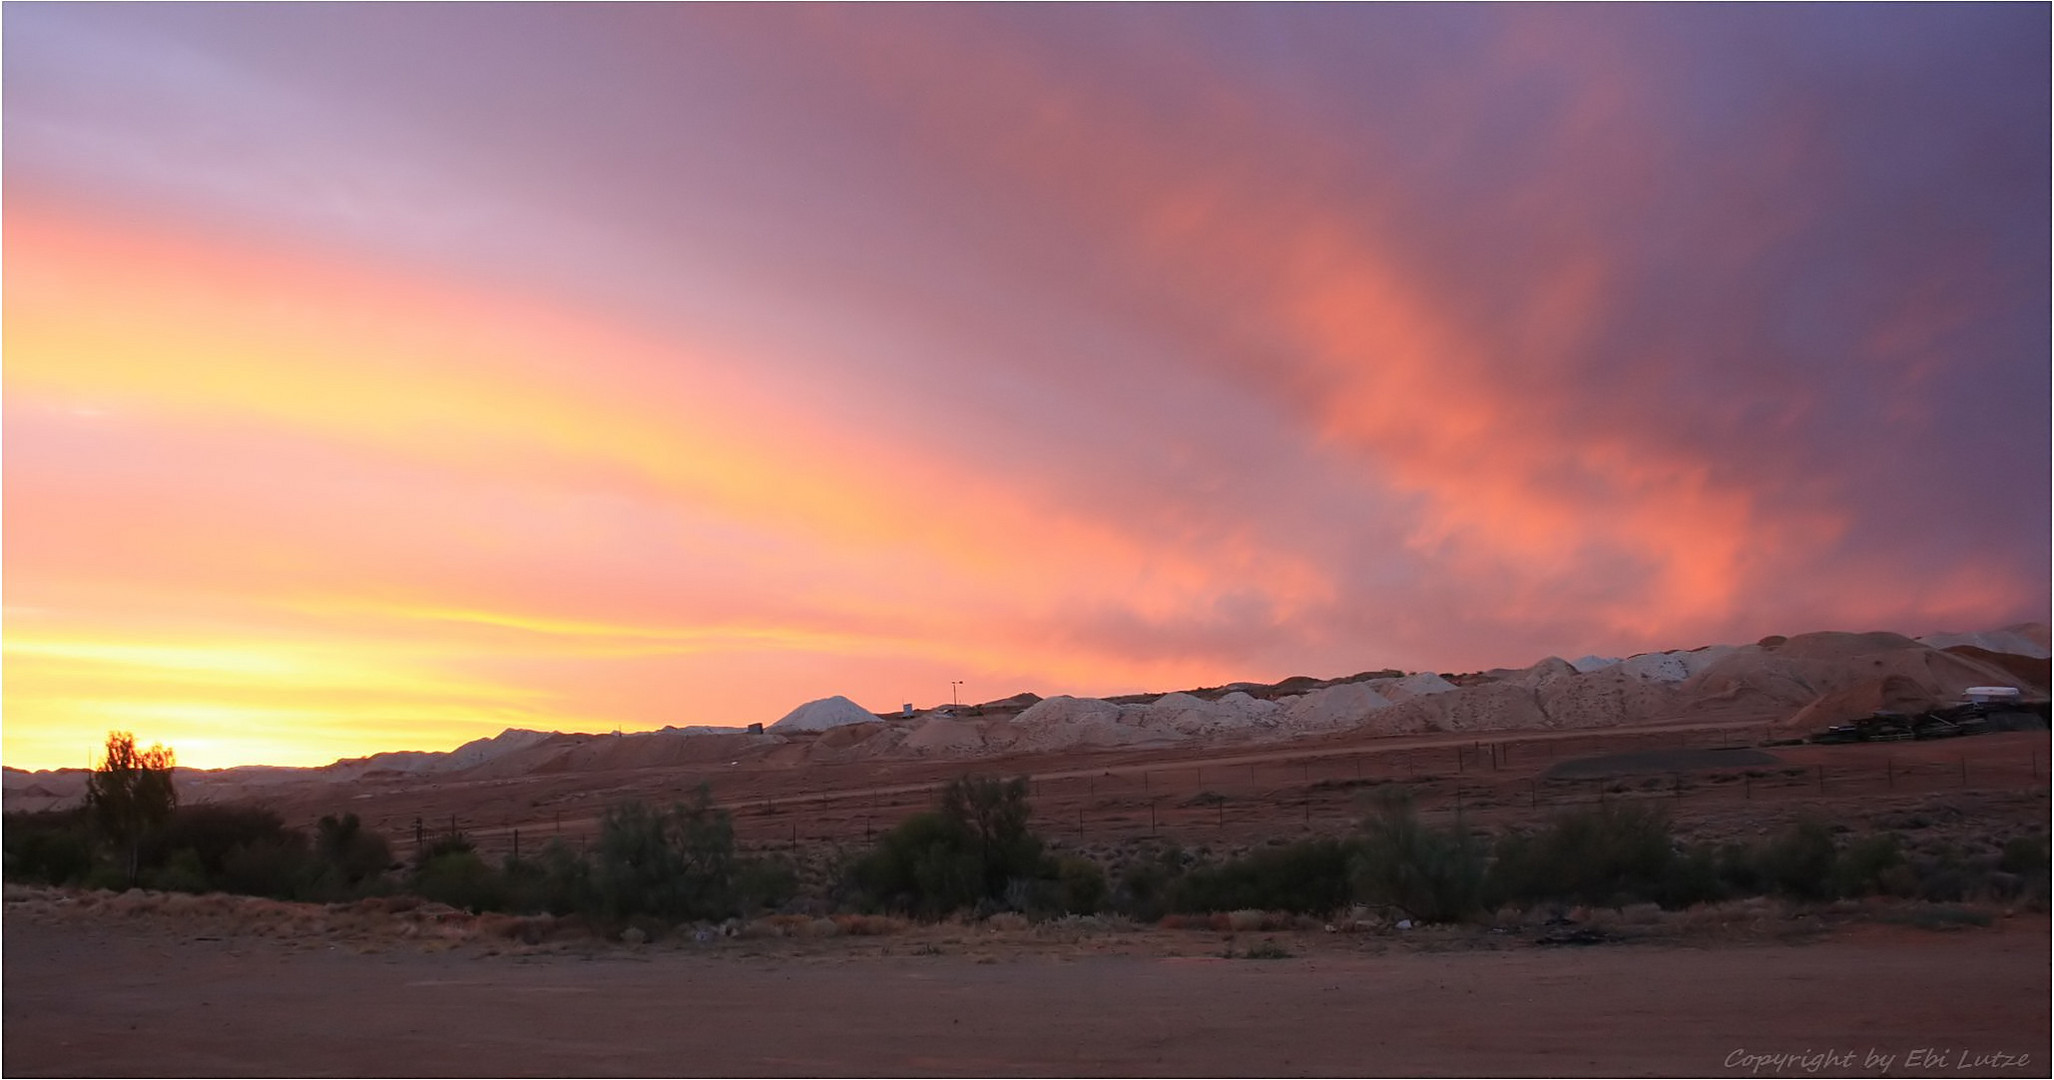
(411, 401)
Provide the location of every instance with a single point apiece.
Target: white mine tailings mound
(1336, 707)
(826, 713)
(1788, 685)
(1188, 714)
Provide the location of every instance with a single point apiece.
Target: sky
(384, 376)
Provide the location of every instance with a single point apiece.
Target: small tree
(674, 864)
(128, 794)
(994, 814)
(976, 847)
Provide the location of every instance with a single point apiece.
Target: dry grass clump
(1007, 921)
(1243, 920)
(869, 925)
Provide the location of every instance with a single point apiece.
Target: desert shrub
(462, 879)
(924, 865)
(2024, 862)
(1696, 875)
(992, 816)
(974, 851)
(1740, 871)
(1872, 865)
(1614, 854)
(1431, 874)
(1310, 876)
(350, 855)
(449, 843)
(53, 847)
(1143, 884)
(1799, 862)
(668, 864)
(2024, 856)
(558, 882)
(768, 882)
(272, 865)
(230, 847)
(1082, 887)
(182, 872)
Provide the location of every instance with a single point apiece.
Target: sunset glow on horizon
(379, 377)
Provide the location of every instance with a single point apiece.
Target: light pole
(954, 685)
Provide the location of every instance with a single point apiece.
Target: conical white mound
(826, 713)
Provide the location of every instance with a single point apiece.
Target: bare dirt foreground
(151, 995)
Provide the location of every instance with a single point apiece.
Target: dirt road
(124, 998)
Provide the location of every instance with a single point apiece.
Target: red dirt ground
(113, 995)
(142, 996)
(1233, 796)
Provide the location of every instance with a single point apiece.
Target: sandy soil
(146, 995)
(1226, 797)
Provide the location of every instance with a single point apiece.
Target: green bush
(674, 864)
(349, 854)
(925, 865)
(1696, 875)
(1799, 862)
(1082, 887)
(2024, 856)
(51, 847)
(461, 878)
(974, 851)
(1144, 884)
(1430, 874)
(1614, 854)
(1310, 877)
(216, 834)
(763, 883)
(1870, 866)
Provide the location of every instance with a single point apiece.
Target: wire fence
(1236, 800)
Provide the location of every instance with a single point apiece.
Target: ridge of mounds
(1283, 688)
(1794, 684)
